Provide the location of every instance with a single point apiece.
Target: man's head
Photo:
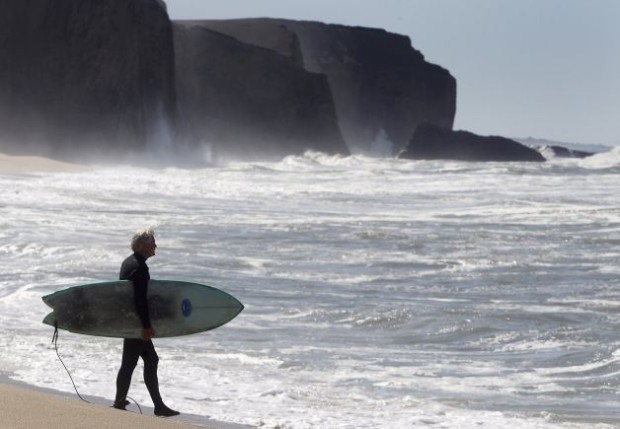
(143, 242)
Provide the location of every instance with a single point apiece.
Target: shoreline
(29, 406)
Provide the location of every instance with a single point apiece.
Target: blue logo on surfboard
(186, 307)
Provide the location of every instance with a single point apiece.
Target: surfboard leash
(55, 342)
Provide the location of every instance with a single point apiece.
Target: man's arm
(140, 287)
(131, 270)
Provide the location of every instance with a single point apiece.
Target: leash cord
(55, 342)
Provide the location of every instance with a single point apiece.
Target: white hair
(141, 237)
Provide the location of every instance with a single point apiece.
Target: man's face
(148, 248)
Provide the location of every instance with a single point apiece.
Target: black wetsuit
(134, 268)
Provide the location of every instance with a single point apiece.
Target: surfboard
(107, 309)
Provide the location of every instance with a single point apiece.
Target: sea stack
(430, 142)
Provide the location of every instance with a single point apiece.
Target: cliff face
(89, 73)
(249, 102)
(430, 142)
(378, 81)
(91, 78)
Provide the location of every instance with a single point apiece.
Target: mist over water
(379, 293)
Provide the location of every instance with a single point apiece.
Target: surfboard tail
(47, 300)
(50, 319)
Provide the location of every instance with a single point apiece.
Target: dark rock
(82, 75)
(378, 81)
(554, 151)
(267, 33)
(250, 102)
(430, 142)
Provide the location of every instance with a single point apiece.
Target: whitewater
(379, 293)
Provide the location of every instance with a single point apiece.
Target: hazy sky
(524, 68)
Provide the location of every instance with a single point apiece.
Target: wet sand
(28, 408)
(24, 407)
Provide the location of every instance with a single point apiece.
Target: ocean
(379, 293)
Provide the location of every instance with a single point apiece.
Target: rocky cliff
(96, 78)
(379, 82)
(86, 75)
(249, 102)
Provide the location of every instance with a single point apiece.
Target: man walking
(134, 268)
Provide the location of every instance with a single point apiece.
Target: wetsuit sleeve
(139, 276)
(140, 288)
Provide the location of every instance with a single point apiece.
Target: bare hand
(148, 334)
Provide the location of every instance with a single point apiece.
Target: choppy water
(378, 293)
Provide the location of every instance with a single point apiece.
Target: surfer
(134, 268)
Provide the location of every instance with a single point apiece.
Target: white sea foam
(379, 293)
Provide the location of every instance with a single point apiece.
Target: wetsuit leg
(132, 349)
(151, 360)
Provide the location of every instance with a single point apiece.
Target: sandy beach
(10, 164)
(26, 407)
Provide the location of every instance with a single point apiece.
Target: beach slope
(28, 408)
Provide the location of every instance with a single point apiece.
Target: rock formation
(249, 102)
(378, 80)
(430, 142)
(86, 75)
(96, 78)
(555, 151)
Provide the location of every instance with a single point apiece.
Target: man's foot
(164, 411)
(121, 405)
